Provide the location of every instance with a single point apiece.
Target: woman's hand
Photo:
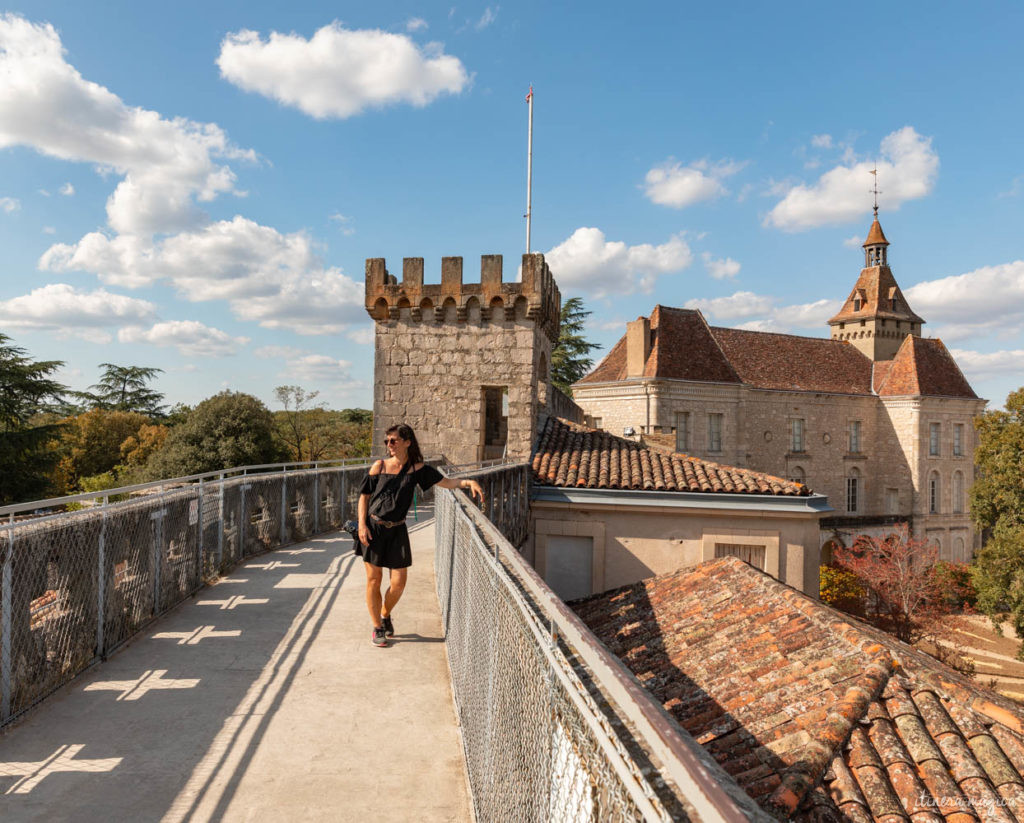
(475, 490)
(364, 534)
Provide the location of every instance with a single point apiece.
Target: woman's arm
(364, 506)
(472, 486)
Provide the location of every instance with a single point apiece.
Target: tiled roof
(817, 716)
(787, 362)
(923, 367)
(570, 455)
(875, 235)
(682, 348)
(877, 289)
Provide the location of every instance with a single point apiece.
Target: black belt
(386, 523)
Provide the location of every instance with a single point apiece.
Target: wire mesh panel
(52, 610)
(130, 549)
(262, 514)
(537, 746)
(332, 510)
(231, 519)
(179, 547)
(301, 504)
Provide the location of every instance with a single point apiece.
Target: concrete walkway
(260, 700)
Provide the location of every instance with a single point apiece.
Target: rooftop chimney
(638, 346)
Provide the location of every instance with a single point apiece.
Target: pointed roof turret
(876, 237)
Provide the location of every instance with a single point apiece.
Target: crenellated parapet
(535, 297)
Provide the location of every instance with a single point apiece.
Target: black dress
(390, 498)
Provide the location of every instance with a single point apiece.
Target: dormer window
(856, 304)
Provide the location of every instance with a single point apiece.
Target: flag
(529, 97)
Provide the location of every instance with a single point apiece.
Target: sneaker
(378, 637)
(389, 627)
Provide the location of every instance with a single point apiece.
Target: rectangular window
(958, 440)
(597, 423)
(855, 437)
(933, 495)
(892, 501)
(682, 431)
(934, 433)
(852, 493)
(796, 431)
(714, 432)
(754, 555)
(495, 422)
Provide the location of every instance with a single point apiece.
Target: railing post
(220, 518)
(6, 599)
(101, 583)
(199, 542)
(284, 506)
(316, 499)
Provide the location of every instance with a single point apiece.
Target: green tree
(997, 506)
(27, 392)
(570, 358)
(295, 420)
(91, 444)
(226, 430)
(126, 388)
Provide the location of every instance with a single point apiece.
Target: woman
(384, 500)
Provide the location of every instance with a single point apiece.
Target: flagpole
(529, 171)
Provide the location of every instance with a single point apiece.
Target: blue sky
(196, 186)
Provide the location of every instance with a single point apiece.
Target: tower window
(933, 494)
(855, 436)
(495, 422)
(856, 304)
(714, 432)
(934, 434)
(682, 431)
(958, 440)
(796, 435)
(853, 492)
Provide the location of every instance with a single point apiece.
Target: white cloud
(986, 301)
(906, 172)
(588, 262)
(339, 72)
(675, 185)
(271, 278)
(166, 165)
(488, 17)
(344, 224)
(853, 241)
(190, 337)
(49, 230)
(416, 24)
(982, 366)
(822, 141)
(309, 367)
(60, 308)
(267, 352)
(67, 190)
(9, 204)
(363, 335)
(738, 305)
(720, 268)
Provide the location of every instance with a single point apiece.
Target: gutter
(812, 504)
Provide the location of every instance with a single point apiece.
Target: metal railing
(75, 585)
(554, 726)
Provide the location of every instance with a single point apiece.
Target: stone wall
(439, 346)
(756, 434)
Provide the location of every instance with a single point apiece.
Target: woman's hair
(406, 433)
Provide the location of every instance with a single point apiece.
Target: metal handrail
(697, 775)
(54, 502)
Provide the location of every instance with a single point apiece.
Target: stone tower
(465, 364)
(876, 316)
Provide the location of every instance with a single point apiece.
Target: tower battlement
(535, 297)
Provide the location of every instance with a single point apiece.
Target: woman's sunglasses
(390, 441)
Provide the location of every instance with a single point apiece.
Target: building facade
(876, 417)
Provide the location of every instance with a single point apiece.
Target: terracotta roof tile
(788, 362)
(815, 715)
(880, 296)
(876, 236)
(924, 367)
(566, 448)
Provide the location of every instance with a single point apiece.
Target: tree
(92, 443)
(570, 358)
(295, 423)
(997, 506)
(26, 392)
(898, 573)
(226, 430)
(126, 388)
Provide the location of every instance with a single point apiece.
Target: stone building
(465, 364)
(877, 417)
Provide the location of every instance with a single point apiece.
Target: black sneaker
(389, 627)
(378, 637)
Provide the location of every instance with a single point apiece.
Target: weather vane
(874, 189)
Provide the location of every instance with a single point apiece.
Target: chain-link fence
(77, 584)
(543, 737)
